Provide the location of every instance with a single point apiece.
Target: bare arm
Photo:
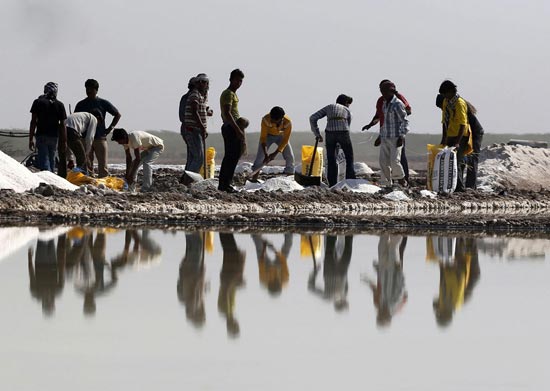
(128, 164)
(197, 117)
(226, 108)
(114, 122)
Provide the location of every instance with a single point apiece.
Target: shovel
(308, 180)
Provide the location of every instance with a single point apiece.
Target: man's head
(50, 90)
(191, 83)
(202, 83)
(345, 100)
(439, 100)
(277, 114)
(92, 87)
(387, 89)
(448, 89)
(120, 136)
(236, 79)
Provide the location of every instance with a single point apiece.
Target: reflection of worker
(231, 278)
(144, 250)
(456, 280)
(272, 264)
(191, 285)
(94, 284)
(46, 275)
(335, 272)
(389, 293)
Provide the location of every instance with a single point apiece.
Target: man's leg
(345, 144)
(147, 158)
(395, 160)
(384, 161)
(75, 144)
(195, 153)
(42, 159)
(231, 157)
(101, 151)
(473, 160)
(332, 168)
(260, 157)
(404, 162)
(288, 155)
(62, 154)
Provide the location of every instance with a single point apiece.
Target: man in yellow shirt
(456, 129)
(276, 129)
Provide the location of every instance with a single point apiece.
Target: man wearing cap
(276, 129)
(147, 148)
(99, 146)
(48, 126)
(195, 122)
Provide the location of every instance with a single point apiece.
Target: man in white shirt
(147, 148)
(81, 128)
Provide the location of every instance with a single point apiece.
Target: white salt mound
(284, 184)
(206, 184)
(514, 166)
(55, 180)
(397, 195)
(428, 193)
(357, 186)
(15, 176)
(362, 168)
(243, 168)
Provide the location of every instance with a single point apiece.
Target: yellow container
(307, 154)
(210, 163)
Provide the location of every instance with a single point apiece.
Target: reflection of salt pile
(357, 186)
(514, 166)
(284, 184)
(514, 248)
(15, 176)
(13, 238)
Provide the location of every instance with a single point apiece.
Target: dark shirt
(88, 104)
(183, 103)
(49, 115)
(476, 127)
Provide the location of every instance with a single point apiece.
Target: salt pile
(514, 166)
(362, 169)
(206, 184)
(357, 186)
(284, 184)
(17, 177)
(397, 195)
(428, 194)
(243, 168)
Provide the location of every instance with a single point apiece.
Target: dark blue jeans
(46, 148)
(342, 138)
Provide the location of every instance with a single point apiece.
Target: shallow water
(149, 309)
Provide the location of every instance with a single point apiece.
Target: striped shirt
(201, 100)
(338, 119)
(396, 123)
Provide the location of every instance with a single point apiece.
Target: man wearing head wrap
(379, 118)
(99, 146)
(48, 127)
(195, 122)
(392, 134)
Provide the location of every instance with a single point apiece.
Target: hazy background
(299, 54)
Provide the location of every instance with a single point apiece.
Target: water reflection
(388, 292)
(231, 279)
(80, 255)
(459, 273)
(92, 260)
(272, 263)
(338, 250)
(191, 282)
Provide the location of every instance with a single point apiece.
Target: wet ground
(175, 204)
(138, 308)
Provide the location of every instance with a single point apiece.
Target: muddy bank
(174, 204)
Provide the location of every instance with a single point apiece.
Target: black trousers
(342, 138)
(472, 161)
(404, 162)
(233, 149)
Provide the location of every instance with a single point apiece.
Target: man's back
(49, 113)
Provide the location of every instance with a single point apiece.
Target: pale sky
(297, 54)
